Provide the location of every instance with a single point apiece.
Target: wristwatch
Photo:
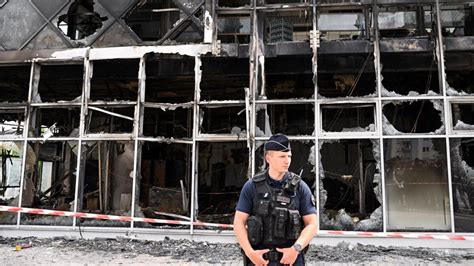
(298, 247)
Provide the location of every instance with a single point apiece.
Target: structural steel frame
(256, 53)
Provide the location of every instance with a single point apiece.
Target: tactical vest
(275, 220)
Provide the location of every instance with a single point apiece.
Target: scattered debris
(217, 253)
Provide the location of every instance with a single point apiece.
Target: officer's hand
(289, 255)
(256, 256)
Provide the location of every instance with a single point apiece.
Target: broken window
(457, 20)
(285, 26)
(60, 83)
(169, 78)
(223, 120)
(348, 117)
(272, 2)
(168, 123)
(459, 73)
(11, 153)
(342, 25)
(233, 3)
(224, 78)
(81, 20)
(233, 28)
(416, 185)
(351, 192)
(420, 116)
(289, 119)
(165, 183)
(50, 181)
(14, 83)
(12, 121)
(409, 74)
(176, 20)
(222, 174)
(346, 75)
(115, 80)
(110, 119)
(288, 77)
(462, 174)
(105, 185)
(55, 122)
(405, 21)
(462, 115)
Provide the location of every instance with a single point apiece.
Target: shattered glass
(462, 174)
(12, 122)
(50, 181)
(350, 187)
(462, 114)
(357, 79)
(294, 119)
(55, 122)
(106, 180)
(11, 153)
(459, 74)
(401, 79)
(100, 122)
(348, 117)
(222, 174)
(164, 189)
(224, 120)
(420, 116)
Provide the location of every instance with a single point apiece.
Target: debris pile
(217, 253)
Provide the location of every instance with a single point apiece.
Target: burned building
(159, 109)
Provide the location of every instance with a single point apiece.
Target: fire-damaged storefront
(160, 109)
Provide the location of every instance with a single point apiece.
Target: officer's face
(278, 160)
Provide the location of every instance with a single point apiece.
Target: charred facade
(160, 108)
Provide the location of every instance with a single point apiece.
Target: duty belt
(273, 255)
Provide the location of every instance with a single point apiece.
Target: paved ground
(183, 252)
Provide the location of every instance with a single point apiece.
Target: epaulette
(260, 177)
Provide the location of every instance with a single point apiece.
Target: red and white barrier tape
(228, 226)
(109, 217)
(398, 235)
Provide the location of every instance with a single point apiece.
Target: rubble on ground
(214, 253)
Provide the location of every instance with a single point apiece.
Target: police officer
(275, 217)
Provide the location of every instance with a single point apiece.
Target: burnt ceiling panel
(48, 38)
(116, 35)
(19, 21)
(49, 7)
(117, 7)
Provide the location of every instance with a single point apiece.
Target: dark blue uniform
(304, 201)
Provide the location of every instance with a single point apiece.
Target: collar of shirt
(277, 183)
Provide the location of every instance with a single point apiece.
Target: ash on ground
(217, 253)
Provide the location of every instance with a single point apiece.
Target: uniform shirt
(304, 203)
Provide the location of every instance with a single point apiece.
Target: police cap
(278, 142)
